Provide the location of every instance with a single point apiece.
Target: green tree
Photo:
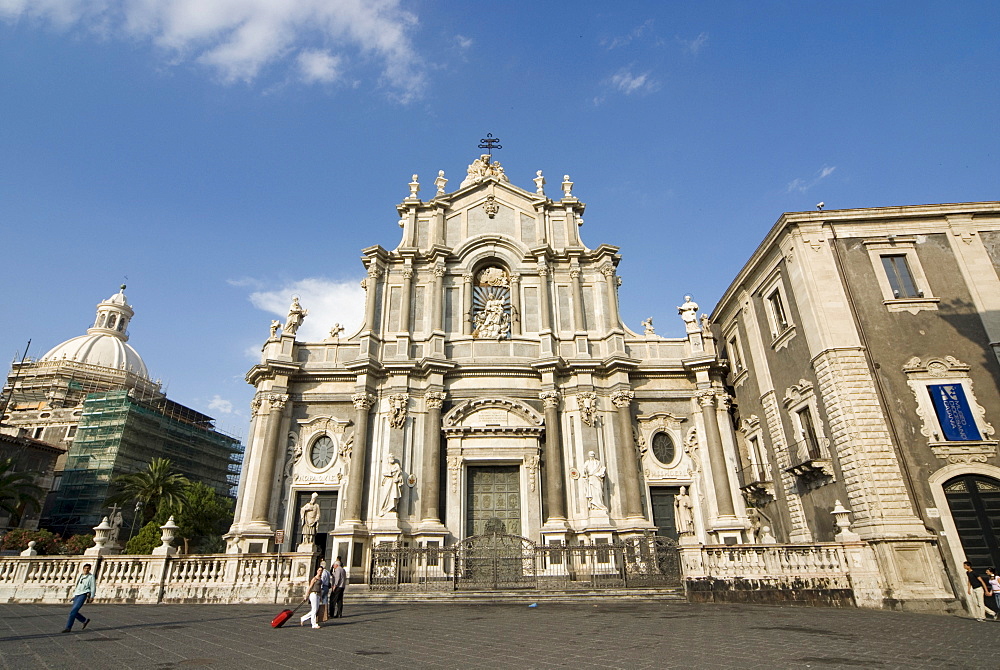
(46, 542)
(77, 544)
(157, 487)
(147, 539)
(203, 519)
(18, 491)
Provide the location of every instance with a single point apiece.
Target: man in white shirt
(83, 593)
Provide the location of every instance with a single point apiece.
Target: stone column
(555, 490)
(437, 312)
(406, 302)
(716, 455)
(371, 295)
(430, 488)
(356, 477)
(272, 439)
(579, 319)
(515, 304)
(611, 295)
(628, 466)
(543, 290)
(467, 304)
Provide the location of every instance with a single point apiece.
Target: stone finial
(168, 532)
(102, 533)
(440, 182)
(539, 183)
(30, 551)
(842, 518)
(567, 187)
(414, 189)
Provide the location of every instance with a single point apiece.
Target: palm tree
(157, 486)
(18, 492)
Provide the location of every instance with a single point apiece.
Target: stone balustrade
(220, 578)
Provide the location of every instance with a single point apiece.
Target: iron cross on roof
(490, 143)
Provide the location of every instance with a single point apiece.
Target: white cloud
(802, 185)
(220, 404)
(463, 42)
(328, 301)
(695, 45)
(237, 39)
(316, 65)
(628, 83)
(634, 34)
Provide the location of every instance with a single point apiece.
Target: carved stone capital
(439, 271)
(407, 273)
(543, 270)
(256, 404)
(363, 400)
(725, 401)
(374, 271)
(706, 398)
(622, 398)
(467, 277)
(574, 273)
(277, 401)
(514, 279)
(435, 399)
(608, 270)
(550, 399)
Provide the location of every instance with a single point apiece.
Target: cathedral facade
(491, 388)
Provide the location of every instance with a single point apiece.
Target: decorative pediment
(750, 424)
(493, 413)
(663, 420)
(949, 366)
(797, 393)
(330, 424)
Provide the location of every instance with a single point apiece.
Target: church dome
(106, 343)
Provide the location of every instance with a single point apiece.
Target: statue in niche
(593, 474)
(309, 514)
(391, 486)
(491, 304)
(295, 316)
(684, 512)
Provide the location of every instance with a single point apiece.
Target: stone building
(28, 455)
(492, 387)
(92, 398)
(862, 346)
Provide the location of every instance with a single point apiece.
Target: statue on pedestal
(593, 474)
(684, 512)
(309, 514)
(391, 486)
(295, 316)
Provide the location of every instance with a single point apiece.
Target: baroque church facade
(491, 388)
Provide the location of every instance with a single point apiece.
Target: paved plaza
(585, 635)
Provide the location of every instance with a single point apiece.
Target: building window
(37, 433)
(322, 452)
(70, 432)
(900, 279)
(953, 412)
(900, 276)
(776, 308)
(663, 448)
(808, 448)
(778, 313)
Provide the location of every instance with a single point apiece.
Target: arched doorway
(974, 501)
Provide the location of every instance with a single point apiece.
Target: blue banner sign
(953, 412)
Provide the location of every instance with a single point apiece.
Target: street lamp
(138, 508)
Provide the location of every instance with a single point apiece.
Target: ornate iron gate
(495, 562)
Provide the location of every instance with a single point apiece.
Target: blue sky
(224, 154)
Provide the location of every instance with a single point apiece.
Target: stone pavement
(585, 635)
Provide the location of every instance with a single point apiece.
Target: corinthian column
(543, 291)
(628, 467)
(555, 491)
(370, 285)
(716, 455)
(430, 481)
(265, 478)
(467, 304)
(356, 476)
(406, 303)
(611, 295)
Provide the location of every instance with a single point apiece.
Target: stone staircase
(359, 594)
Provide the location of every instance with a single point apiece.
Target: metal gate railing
(499, 562)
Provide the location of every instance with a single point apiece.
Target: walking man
(977, 585)
(339, 584)
(83, 593)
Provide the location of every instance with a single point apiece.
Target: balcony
(756, 484)
(810, 459)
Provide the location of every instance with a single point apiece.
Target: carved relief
(531, 467)
(398, 405)
(798, 392)
(491, 207)
(587, 402)
(455, 469)
(491, 309)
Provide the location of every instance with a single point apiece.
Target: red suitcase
(285, 615)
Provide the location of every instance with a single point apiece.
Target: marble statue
(275, 325)
(295, 316)
(336, 331)
(683, 512)
(492, 322)
(539, 183)
(648, 326)
(593, 474)
(391, 486)
(117, 521)
(309, 514)
(689, 311)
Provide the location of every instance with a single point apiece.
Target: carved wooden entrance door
(975, 506)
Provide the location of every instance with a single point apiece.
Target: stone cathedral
(491, 388)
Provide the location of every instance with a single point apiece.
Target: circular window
(663, 448)
(322, 452)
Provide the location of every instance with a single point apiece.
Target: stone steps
(360, 595)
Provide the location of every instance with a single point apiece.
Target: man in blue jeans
(83, 593)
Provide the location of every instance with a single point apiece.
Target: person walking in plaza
(993, 580)
(84, 592)
(339, 584)
(324, 593)
(315, 585)
(977, 586)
